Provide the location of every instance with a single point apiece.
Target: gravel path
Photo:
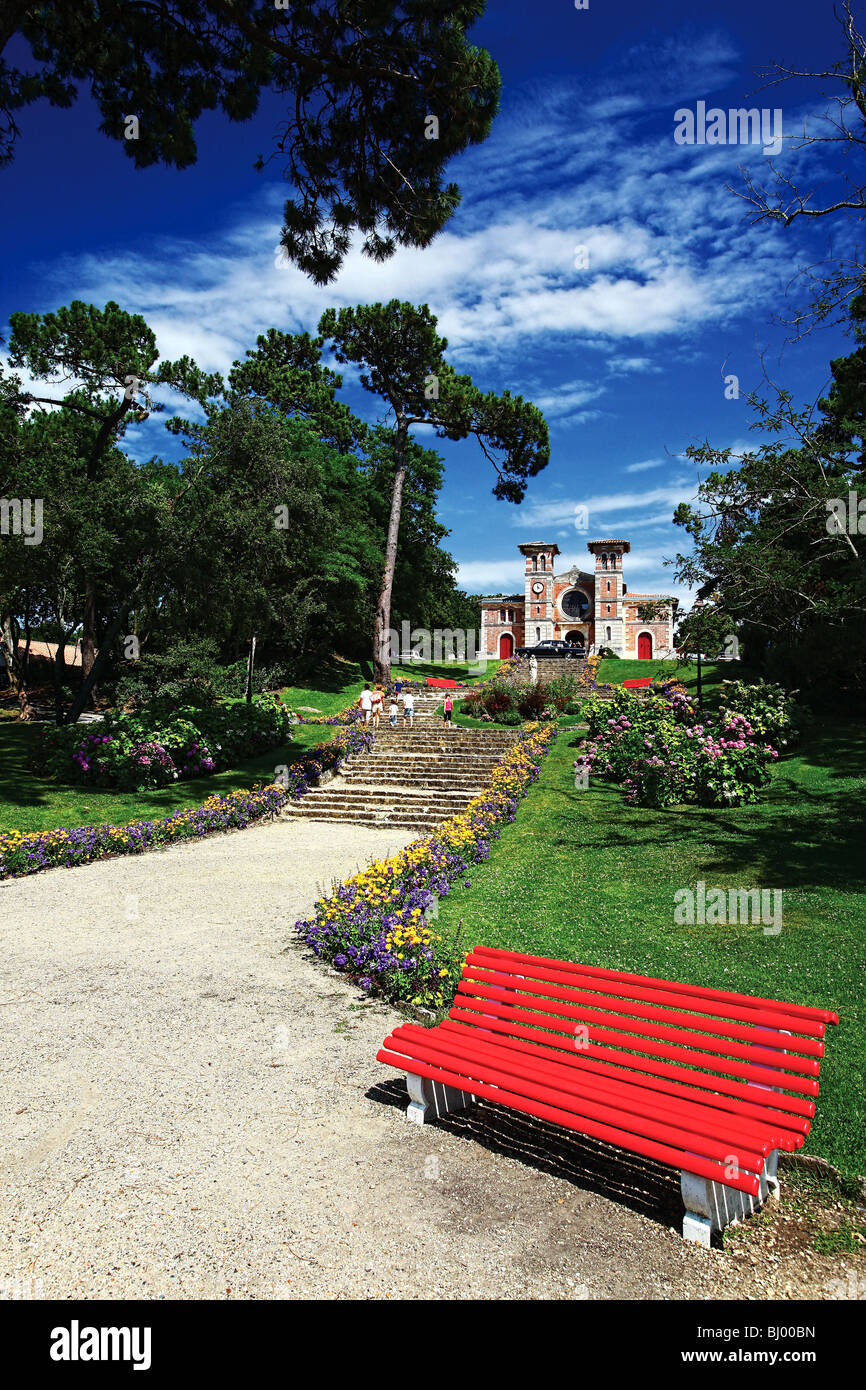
(192, 1109)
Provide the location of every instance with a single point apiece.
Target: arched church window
(607, 630)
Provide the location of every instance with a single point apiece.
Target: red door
(644, 647)
(506, 646)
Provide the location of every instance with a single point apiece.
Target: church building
(591, 610)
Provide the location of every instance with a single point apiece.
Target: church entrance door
(506, 646)
(644, 647)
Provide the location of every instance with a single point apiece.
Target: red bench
(440, 683)
(707, 1081)
(637, 684)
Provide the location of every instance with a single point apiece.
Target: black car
(553, 647)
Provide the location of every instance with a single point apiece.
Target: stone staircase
(412, 778)
(551, 666)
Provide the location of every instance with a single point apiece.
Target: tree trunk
(58, 666)
(382, 629)
(25, 660)
(9, 643)
(88, 633)
(700, 686)
(251, 661)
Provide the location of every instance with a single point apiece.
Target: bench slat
(663, 1153)
(809, 1047)
(796, 1124)
(750, 1001)
(710, 1009)
(584, 1103)
(758, 1052)
(479, 1010)
(703, 1118)
(644, 1064)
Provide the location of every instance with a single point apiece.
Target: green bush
(770, 709)
(664, 752)
(188, 673)
(161, 743)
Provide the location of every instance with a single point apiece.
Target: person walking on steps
(378, 704)
(366, 703)
(408, 710)
(447, 711)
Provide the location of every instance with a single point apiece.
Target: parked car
(552, 647)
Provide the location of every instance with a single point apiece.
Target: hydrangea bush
(663, 751)
(771, 710)
(376, 926)
(161, 743)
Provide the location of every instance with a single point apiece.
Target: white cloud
(535, 514)
(491, 576)
(666, 249)
(645, 465)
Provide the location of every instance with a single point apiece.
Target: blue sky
(621, 344)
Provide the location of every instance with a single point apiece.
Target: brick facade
(591, 608)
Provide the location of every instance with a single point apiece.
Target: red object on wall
(644, 647)
(506, 646)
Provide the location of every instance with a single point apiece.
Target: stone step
(334, 792)
(380, 805)
(400, 778)
(412, 778)
(374, 771)
(402, 819)
(426, 755)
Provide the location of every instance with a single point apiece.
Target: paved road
(192, 1109)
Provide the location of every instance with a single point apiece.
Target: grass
(339, 682)
(614, 672)
(582, 876)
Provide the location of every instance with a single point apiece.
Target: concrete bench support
(430, 1099)
(711, 1206)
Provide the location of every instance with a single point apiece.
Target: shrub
(770, 709)
(562, 691)
(161, 743)
(532, 700)
(664, 752)
(510, 718)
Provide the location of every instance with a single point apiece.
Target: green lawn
(614, 672)
(339, 682)
(29, 803)
(582, 876)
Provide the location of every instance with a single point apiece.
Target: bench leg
(429, 1099)
(711, 1206)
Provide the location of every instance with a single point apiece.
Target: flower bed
(160, 743)
(350, 714)
(505, 699)
(26, 854)
(375, 925)
(663, 751)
